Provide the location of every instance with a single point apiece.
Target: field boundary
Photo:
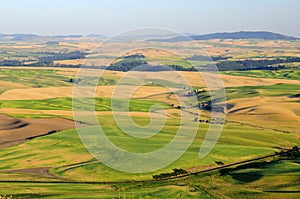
(144, 181)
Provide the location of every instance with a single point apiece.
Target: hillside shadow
(246, 177)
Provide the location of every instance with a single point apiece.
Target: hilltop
(231, 35)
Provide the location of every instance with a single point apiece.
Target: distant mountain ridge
(35, 37)
(231, 35)
(158, 38)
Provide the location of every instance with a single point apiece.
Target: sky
(109, 17)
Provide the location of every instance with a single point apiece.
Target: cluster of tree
(206, 58)
(181, 68)
(202, 121)
(76, 81)
(293, 153)
(219, 163)
(135, 56)
(216, 108)
(157, 68)
(127, 64)
(45, 60)
(175, 172)
(49, 60)
(263, 64)
(7, 62)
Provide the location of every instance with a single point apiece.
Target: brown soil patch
(39, 171)
(14, 131)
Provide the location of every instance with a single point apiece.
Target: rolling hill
(231, 35)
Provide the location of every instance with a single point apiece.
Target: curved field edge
(292, 74)
(64, 148)
(209, 185)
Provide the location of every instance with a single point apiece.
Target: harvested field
(17, 111)
(56, 92)
(279, 113)
(7, 85)
(37, 93)
(15, 131)
(39, 171)
(20, 111)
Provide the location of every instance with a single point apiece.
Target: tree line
(137, 62)
(175, 172)
(262, 64)
(45, 60)
(206, 58)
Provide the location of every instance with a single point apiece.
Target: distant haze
(61, 17)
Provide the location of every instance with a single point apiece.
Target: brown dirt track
(14, 131)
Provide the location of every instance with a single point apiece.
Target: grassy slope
(63, 148)
(34, 78)
(281, 74)
(156, 191)
(260, 184)
(101, 104)
(262, 91)
(237, 142)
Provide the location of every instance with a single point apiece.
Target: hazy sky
(51, 17)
